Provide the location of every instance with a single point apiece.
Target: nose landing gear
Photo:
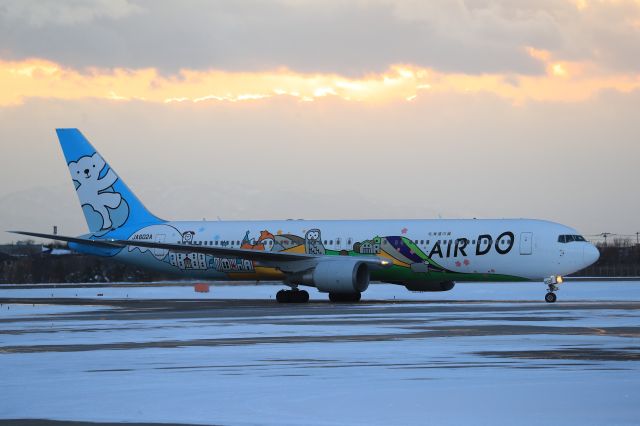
(552, 286)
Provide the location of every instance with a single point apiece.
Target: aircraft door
(158, 252)
(526, 243)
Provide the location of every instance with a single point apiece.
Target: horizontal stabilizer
(95, 243)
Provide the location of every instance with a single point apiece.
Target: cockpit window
(570, 238)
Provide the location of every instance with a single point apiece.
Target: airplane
(338, 257)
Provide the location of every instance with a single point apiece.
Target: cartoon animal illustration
(287, 242)
(313, 242)
(265, 242)
(93, 189)
(187, 237)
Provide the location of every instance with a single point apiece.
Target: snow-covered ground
(443, 363)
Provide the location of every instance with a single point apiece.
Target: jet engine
(430, 286)
(346, 276)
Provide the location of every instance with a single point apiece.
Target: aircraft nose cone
(590, 254)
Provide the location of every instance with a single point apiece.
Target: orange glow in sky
(563, 81)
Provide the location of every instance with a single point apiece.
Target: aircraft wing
(257, 255)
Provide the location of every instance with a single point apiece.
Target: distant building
(188, 260)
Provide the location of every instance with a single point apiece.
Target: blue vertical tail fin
(107, 202)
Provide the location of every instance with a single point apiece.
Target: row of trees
(72, 269)
(615, 261)
(622, 260)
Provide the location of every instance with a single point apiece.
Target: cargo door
(526, 243)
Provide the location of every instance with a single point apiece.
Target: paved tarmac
(507, 319)
(374, 362)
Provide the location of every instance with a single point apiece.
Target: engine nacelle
(338, 276)
(430, 286)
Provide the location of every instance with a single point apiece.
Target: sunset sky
(327, 109)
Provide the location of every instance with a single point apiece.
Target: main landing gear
(552, 286)
(292, 296)
(345, 297)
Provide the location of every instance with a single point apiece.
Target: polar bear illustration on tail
(92, 189)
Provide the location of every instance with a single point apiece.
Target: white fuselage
(459, 250)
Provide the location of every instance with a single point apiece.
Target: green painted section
(397, 273)
(402, 274)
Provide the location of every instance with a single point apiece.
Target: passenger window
(330, 242)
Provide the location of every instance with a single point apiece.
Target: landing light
(553, 279)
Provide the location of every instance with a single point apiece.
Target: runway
(425, 358)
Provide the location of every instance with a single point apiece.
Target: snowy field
(481, 354)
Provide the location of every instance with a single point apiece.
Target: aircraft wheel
(550, 297)
(345, 297)
(292, 296)
(303, 296)
(281, 296)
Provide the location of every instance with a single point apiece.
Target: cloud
(478, 108)
(37, 13)
(563, 81)
(347, 38)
